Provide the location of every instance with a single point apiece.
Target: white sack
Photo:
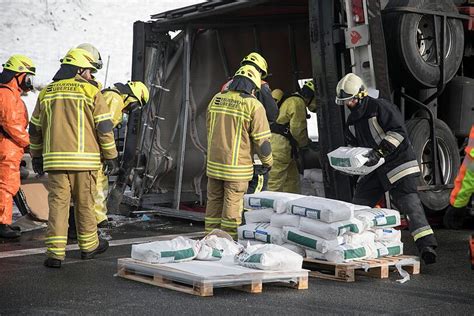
(262, 232)
(299, 250)
(389, 248)
(347, 252)
(226, 245)
(364, 238)
(326, 210)
(312, 254)
(208, 253)
(330, 230)
(280, 220)
(258, 215)
(387, 234)
(264, 199)
(250, 242)
(379, 217)
(351, 160)
(270, 257)
(294, 236)
(176, 250)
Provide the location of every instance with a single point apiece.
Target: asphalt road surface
(90, 288)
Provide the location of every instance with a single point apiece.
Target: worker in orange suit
(15, 78)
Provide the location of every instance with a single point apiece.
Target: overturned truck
(429, 45)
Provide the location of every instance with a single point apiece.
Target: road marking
(112, 243)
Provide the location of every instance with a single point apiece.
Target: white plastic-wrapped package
(208, 253)
(351, 160)
(270, 257)
(364, 238)
(389, 248)
(222, 241)
(258, 215)
(330, 230)
(387, 234)
(326, 210)
(264, 199)
(379, 217)
(348, 252)
(176, 250)
(250, 242)
(313, 254)
(299, 250)
(280, 220)
(293, 235)
(262, 232)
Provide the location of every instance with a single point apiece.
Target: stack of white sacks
(320, 228)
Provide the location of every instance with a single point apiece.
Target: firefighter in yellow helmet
(120, 98)
(259, 180)
(289, 135)
(97, 63)
(16, 78)
(236, 122)
(71, 132)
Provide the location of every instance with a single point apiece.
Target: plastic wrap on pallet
(250, 242)
(294, 236)
(330, 230)
(378, 217)
(178, 249)
(269, 257)
(326, 210)
(258, 215)
(264, 199)
(387, 248)
(280, 220)
(262, 232)
(387, 234)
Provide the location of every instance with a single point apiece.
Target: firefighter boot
(101, 248)
(428, 254)
(52, 263)
(6, 231)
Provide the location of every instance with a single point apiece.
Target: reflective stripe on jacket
(71, 126)
(375, 121)
(114, 101)
(236, 122)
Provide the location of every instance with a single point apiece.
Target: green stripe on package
(302, 240)
(354, 253)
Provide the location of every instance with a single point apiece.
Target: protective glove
(37, 163)
(111, 167)
(261, 170)
(374, 157)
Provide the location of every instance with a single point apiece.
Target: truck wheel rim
(425, 38)
(443, 161)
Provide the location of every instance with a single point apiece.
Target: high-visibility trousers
(224, 205)
(463, 184)
(81, 187)
(100, 207)
(284, 175)
(10, 157)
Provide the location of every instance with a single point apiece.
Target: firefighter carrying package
(276, 200)
(378, 217)
(351, 160)
(270, 257)
(178, 249)
(322, 209)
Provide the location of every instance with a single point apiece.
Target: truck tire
(449, 160)
(411, 49)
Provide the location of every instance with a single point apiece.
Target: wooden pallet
(180, 281)
(378, 268)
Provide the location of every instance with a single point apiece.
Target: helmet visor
(342, 96)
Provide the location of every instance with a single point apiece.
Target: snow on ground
(45, 30)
